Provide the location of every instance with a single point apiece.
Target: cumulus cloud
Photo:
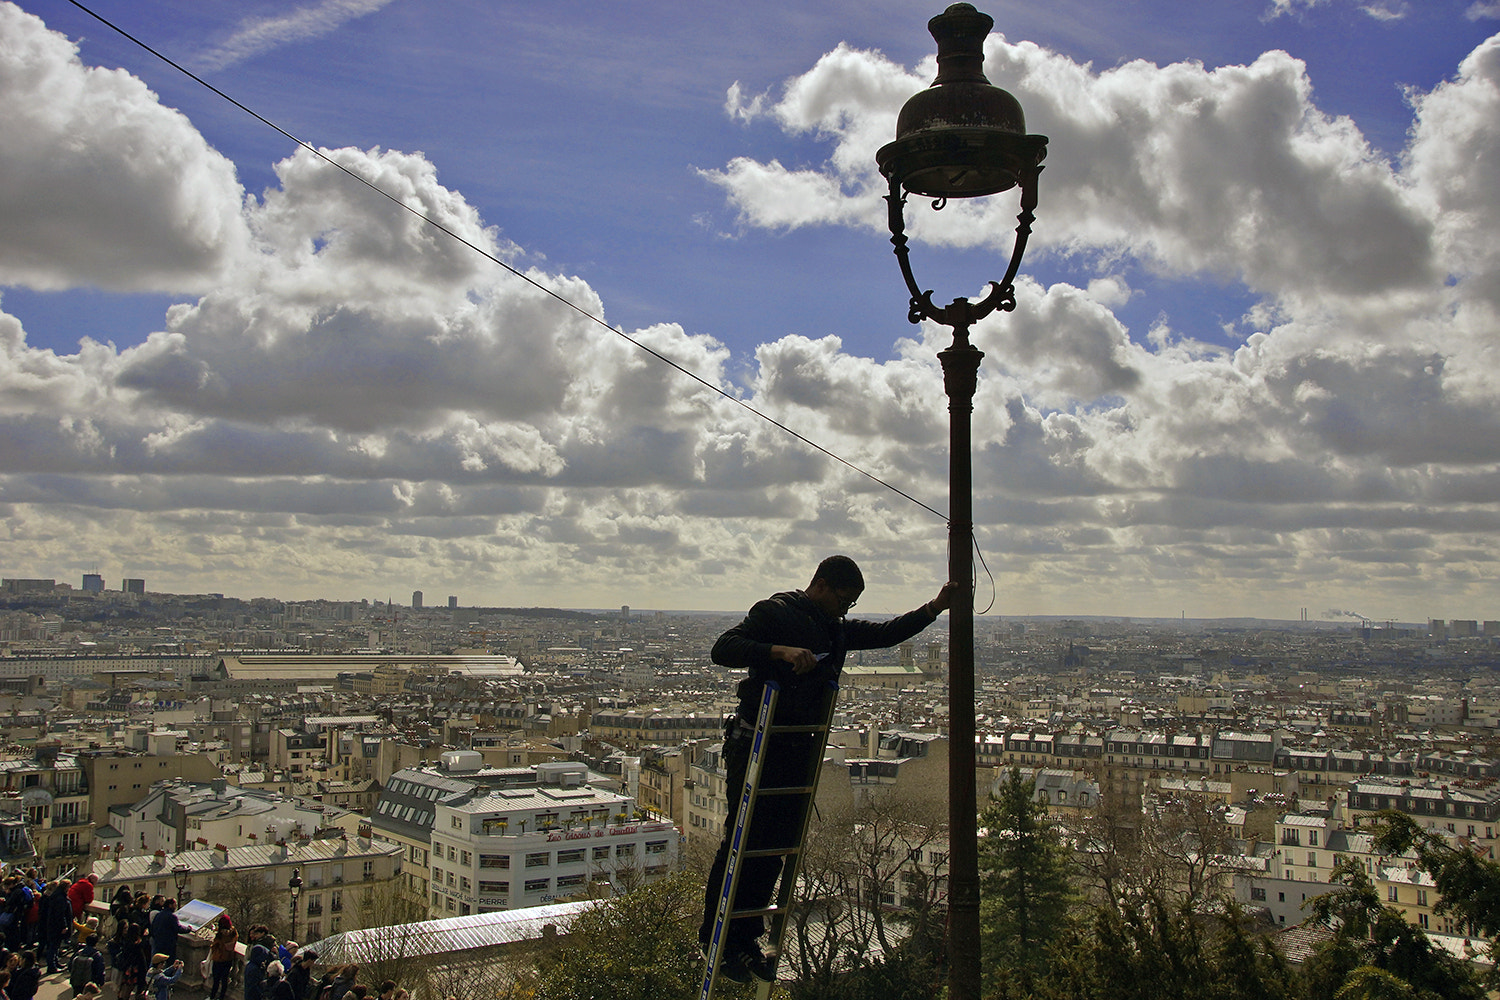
(1163, 462)
(358, 393)
(99, 183)
(1231, 171)
(361, 389)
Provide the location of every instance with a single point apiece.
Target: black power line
(519, 274)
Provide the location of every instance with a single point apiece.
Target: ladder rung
(796, 729)
(770, 852)
(788, 790)
(763, 911)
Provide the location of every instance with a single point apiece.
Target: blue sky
(1243, 378)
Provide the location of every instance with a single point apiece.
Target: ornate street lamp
(961, 138)
(294, 886)
(180, 875)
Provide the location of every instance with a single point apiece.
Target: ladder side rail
(769, 695)
(792, 870)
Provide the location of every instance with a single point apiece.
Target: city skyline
(1246, 375)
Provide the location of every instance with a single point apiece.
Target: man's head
(836, 585)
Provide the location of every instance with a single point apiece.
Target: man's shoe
(759, 966)
(734, 968)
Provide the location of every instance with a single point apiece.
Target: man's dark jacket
(792, 619)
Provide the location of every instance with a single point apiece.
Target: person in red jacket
(81, 894)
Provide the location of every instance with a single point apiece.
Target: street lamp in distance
(294, 887)
(180, 875)
(961, 138)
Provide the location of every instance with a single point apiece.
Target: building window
(1312, 860)
(494, 861)
(570, 857)
(538, 884)
(494, 888)
(1258, 893)
(1421, 897)
(465, 858)
(538, 860)
(570, 881)
(601, 854)
(1392, 895)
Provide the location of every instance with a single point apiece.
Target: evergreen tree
(1375, 950)
(1148, 948)
(1024, 889)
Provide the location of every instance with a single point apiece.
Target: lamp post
(961, 138)
(180, 879)
(294, 886)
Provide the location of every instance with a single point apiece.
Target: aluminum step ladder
(763, 741)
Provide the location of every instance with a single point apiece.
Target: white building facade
(510, 848)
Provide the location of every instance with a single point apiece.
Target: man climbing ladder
(797, 639)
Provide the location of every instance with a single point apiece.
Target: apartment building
(181, 815)
(338, 875)
(706, 798)
(52, 796)
(509, 848)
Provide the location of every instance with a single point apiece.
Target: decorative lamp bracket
(961, 314)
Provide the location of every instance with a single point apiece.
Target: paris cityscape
(493, 506)
(185, 740)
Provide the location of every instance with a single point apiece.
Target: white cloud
(257, 35)
(99, 184)
(359, 395)
(1230, 171)
(1177, 466)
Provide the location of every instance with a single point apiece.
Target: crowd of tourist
(47, 922)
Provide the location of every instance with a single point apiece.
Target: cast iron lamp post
(961, 138)
(180, 875)
(294, 886)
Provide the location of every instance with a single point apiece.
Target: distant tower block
(908, 658)
(624, 612)
(934, 658)
(416, 598)
(133, 586)
(93, 583)
(452, 600)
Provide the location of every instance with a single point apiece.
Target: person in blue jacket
(164, 972)
(165, 926)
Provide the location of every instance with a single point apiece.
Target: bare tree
(869, 882)
(1106, 846)
(250, 898)
(1186, 848)
(389, 905)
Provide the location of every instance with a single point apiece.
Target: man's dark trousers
(786, 762)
